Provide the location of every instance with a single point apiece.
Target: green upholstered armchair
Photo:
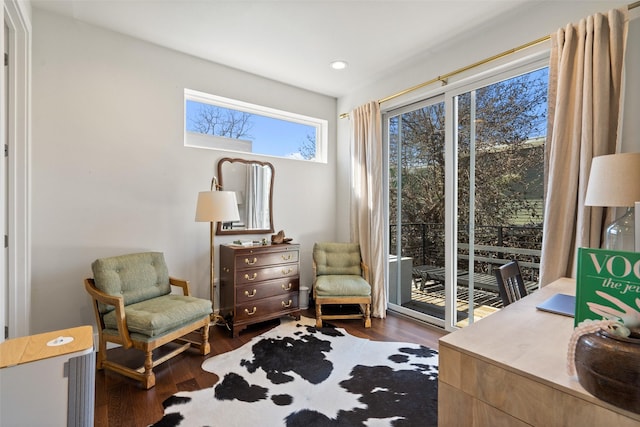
(134, 307)
(340, 277)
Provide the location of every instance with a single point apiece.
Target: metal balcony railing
(492, 246)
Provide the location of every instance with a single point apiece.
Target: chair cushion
(135, 277)
(342, 285)
(158, 315)
(337, 258)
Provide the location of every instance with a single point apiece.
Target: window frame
(223, 143)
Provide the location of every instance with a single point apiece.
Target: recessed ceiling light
(338, 65)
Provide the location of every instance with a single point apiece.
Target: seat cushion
(135, 277)
(157, 316)
(342, 285)
(337, 258)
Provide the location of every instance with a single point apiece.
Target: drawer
(267, 307)
(246, 277)
(245, 261)
(267, 289)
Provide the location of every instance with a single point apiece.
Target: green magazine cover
(608, 286)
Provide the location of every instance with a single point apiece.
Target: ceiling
(293, 41)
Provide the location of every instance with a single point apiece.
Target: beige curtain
(367, 224)
(585, 80)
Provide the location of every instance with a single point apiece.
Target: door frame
(15, 268)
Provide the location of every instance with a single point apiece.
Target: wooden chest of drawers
(258, 283)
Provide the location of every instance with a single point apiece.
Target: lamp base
(620, 235)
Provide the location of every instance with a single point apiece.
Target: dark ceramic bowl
(608, 367)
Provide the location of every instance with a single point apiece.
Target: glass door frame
(435, 99)
(506, 72)
(448, 93)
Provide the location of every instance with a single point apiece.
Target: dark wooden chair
(510, 283)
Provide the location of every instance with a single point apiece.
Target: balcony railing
(493, 246)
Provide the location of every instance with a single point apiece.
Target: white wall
(521, 26)
(111, 175)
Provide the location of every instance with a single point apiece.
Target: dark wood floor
(121, 402)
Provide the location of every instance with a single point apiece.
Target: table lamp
(214, 206)
(614, 181)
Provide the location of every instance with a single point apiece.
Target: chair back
(135, 277)
(510, 283)
(337, 258)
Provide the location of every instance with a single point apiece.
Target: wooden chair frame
(364, 302)
(144, 374)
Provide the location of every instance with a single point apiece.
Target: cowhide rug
(297, 375)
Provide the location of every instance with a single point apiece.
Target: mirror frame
(219, 229)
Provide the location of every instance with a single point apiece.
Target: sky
(270, 136)
(278, 137)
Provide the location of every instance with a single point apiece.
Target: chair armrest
(118, 303)
(365, 271)
(314, 269)
(184, 284)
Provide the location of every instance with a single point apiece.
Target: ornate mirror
(252, 182)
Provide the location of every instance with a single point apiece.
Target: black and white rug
(298, 375)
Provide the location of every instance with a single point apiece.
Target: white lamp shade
(216, 206)
(614, 180)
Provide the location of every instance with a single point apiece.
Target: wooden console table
(509, 369)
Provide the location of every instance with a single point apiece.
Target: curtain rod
(443, 78)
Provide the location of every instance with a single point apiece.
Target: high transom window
(219, 123)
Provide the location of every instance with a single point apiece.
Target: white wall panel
(111, 174)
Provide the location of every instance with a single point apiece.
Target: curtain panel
(257, 202)
(366, 204)
(585, 87)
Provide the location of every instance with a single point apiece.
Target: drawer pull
(285, 305)
(246, 276)
(252, 312)
(286, 257)
(249, 262)
(250, 295)
(286, 288)
(286, 270)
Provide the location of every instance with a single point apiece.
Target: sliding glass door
(500, 131)
(416, 209)
(465, 188)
